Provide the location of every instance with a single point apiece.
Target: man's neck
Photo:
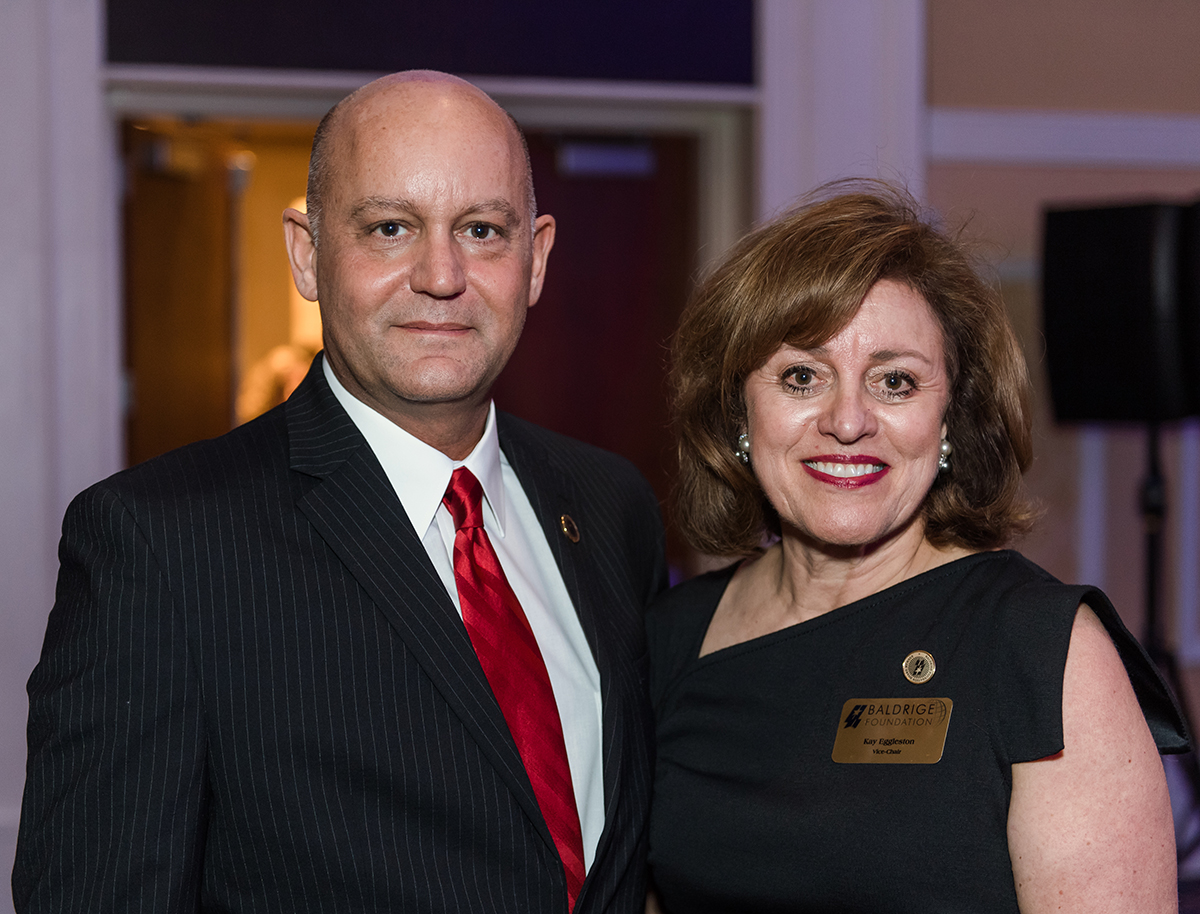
(453, 428)
(454, 434)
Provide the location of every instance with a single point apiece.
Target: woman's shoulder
(1029, 606)
(1005, 586)
(1032, 616)
(694, 592)
(690, 603)
(677, 620)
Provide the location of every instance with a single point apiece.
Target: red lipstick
(846, 471)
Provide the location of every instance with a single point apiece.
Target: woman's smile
(844, 436)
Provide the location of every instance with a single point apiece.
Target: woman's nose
(848, 415)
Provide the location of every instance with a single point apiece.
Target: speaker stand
(1153, 503)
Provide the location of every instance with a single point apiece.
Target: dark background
(667, 40)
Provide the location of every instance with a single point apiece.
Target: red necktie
(509, 655)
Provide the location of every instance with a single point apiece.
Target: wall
(1068, 55)
(1076, 102)
(59, 400)
(840, 95)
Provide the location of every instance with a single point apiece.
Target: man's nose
(848, 415)
(438, 269)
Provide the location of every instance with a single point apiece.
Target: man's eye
(482, 232)
(389, 229)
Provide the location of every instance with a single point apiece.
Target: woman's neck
(797, 580)
(811, 578)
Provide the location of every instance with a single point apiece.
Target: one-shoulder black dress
(751, 812)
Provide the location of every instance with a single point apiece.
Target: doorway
(208, 295)
(211, 312)
(592, 360)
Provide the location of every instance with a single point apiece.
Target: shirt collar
(420, 473)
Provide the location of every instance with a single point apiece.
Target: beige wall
(1091, 55)
(1067, 57)
(1003, 203)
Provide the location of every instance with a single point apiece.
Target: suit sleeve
(115, 795)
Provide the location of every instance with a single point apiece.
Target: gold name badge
(892, 731)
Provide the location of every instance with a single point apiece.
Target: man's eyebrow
(371, 206)
(499, 205)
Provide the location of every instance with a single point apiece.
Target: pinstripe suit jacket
(255, 694)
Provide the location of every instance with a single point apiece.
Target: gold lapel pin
(919, 667)
(570, 531)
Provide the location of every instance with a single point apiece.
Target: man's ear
(302, 253)
(543, 241)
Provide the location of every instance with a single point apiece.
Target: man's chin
(445, 390)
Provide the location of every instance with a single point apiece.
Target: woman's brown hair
(799, 280)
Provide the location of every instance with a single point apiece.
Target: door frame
(719, 117)
(716, 118)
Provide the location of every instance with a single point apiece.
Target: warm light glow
(305, 329)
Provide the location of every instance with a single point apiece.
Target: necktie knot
(464, 499)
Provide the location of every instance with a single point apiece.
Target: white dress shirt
(420, 474)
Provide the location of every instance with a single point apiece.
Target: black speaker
(1189, 288)
(1120, 312)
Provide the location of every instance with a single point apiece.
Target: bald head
(411, 90)
(430, 254)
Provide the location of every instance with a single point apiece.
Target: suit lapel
(355, 510)
(553, 493)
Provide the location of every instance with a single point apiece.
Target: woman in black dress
(880, 708)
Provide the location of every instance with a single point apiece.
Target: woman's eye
(799, 376)
(898, 383)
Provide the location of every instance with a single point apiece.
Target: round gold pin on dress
(919, 667)
(570, 531)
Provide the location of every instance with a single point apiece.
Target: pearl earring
(743, 448)
(945, 449)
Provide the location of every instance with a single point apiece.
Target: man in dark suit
(269, 681)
